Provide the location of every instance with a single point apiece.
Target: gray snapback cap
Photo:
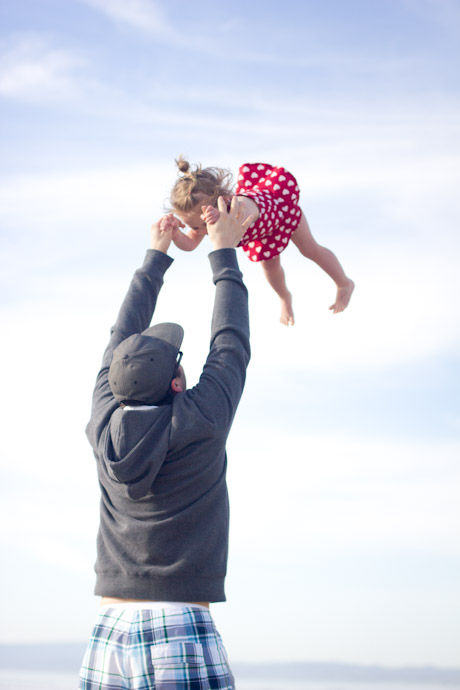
(144, 364)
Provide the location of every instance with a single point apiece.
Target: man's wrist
(156, 249)
(225, 255)
(157, 257)
(224, 245)
(159, 249)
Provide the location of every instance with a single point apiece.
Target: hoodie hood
(135, 447)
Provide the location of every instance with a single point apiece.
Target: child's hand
(160, 236)
(210, 215)
(171, 224)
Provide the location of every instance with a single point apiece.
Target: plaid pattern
(155, 649)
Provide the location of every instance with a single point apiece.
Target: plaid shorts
(170, 648)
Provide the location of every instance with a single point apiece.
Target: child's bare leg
(327, 260)
(274, 273)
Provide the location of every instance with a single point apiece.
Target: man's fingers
(221, 205)
(235, 206)
(247, 222)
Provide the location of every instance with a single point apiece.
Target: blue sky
(344, 458)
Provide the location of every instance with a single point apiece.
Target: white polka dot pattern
(276, 193)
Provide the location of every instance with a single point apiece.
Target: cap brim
(171, 333)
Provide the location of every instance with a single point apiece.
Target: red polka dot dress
(276, 193)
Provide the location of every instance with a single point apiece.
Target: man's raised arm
(221, 384)
(134, 316)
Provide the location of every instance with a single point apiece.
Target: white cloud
(340, 492)
(32, 70)
(89, 200)
(406, 274)
(145, 15)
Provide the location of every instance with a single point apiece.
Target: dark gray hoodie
(163, 531)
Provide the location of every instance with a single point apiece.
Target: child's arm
(247, 207)
(185, 241)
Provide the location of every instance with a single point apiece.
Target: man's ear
(176, 386)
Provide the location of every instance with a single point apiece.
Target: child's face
(192, 218)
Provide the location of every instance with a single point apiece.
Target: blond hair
(193, 185)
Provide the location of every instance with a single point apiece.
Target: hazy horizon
(61, 657)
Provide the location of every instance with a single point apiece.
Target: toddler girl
(270, 194)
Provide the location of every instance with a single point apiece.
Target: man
(160, 451)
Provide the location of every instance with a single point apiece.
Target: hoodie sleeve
(221, 384)
(134, 316)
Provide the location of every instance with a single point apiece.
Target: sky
(344, 455)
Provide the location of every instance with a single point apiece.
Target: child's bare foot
(343, 297)
(287, 313)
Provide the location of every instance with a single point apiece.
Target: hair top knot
(200, 184)
(183, 164)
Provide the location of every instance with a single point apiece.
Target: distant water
(331, 685)
(254, 684)
(39, 680)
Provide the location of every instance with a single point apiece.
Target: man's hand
(228, 229)
(161, 235)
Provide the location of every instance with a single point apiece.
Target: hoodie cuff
(156, 261)
(221, 259)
